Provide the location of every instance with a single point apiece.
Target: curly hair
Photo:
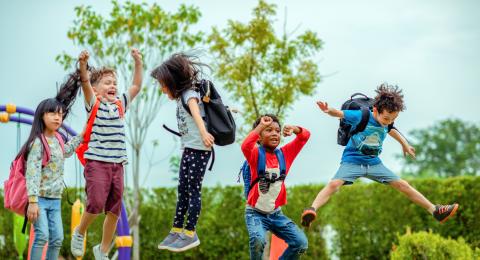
(389, 98)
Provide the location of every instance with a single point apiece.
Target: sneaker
(98, 254)
(444, 212)
(184, 243)
(172, 236)
(308, 216)
(76, 245)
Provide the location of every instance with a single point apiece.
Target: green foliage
(367, 219)
(449, 148)
(423, 245)
(263, 71)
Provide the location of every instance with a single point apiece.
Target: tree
(267, 73)
(448, 148)
(156, 33)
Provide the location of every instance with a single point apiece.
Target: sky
(428, 48)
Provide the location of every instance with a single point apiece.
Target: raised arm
(137, 74)
(328, 110)
(84, 77)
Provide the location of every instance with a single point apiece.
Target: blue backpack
(261, 166)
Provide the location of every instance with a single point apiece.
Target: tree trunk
(136, 204)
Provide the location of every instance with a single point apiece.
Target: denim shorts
(349, 172)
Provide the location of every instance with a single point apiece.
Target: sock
(176, 230)
(189, 233)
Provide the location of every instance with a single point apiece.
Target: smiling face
(106, 87)
(270, 137)
(385, 117)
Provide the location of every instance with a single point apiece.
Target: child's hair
(38, 126)
(389, 98)
(68, 92)
(272, 116)
(63, 102)
(178, 73)
(97, 74)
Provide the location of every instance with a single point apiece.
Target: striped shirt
(107, 142)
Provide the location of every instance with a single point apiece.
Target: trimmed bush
(427, 245)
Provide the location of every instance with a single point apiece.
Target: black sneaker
(308, 216)
(444, 212)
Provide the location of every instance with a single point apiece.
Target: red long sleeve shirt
(290, 151)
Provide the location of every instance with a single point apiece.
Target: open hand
(409, 150)
(323, 106)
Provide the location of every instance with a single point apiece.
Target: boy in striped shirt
(106, 153)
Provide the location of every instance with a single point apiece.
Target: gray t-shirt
(191, 137)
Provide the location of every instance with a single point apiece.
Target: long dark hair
(179, 73)
(63, 102)
(38, 125)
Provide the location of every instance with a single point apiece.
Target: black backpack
(363, 103)
(218, 117)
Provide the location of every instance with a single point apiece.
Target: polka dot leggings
(192, 169)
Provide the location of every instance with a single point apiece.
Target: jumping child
(177, 77)
(106, 153)
(360, 157)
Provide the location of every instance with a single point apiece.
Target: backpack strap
(83, 147)
(46, 151)
(60, 140)
(120, 108)
(363, 122)
(390, 127)
(261, 165)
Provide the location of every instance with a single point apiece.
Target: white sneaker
(76, 245)
(98, 254)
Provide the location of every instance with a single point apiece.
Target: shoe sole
(308, 217)
(190, 246)
(451, 214)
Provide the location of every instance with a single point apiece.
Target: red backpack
(16, 199)
(83, 147)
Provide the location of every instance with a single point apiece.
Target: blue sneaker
(172, 237)
(184, 243)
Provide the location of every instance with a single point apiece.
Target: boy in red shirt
(267, 194)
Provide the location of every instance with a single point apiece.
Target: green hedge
(367, 219)
(426, 245)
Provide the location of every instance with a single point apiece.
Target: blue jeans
(277, 223)
(48, 228)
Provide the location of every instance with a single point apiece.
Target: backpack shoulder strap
(281, 162)
(91, 119)
(45, 151)
(261, 163)
(120, 108)
(60, 141)
(363, 122)
(390, 127)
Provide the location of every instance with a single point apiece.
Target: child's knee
(335, 184)
(257, 243)
(401, 185)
